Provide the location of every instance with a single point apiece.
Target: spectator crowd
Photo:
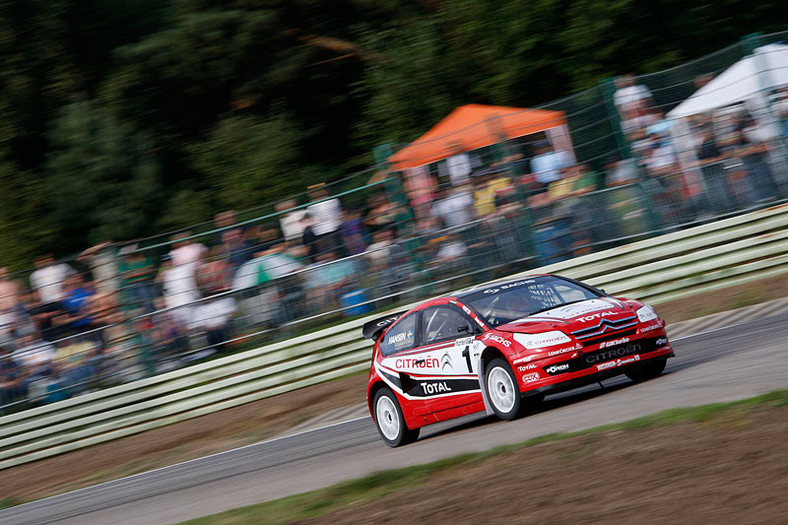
(119, 311)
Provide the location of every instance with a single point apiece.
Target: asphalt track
(723, 365)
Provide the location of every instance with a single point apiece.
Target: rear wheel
(648, 370)
(502, 390)
(390, 421)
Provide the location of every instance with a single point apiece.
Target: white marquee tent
(746, 80)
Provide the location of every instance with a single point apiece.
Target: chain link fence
(641, 162)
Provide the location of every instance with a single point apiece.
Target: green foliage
(247, 160)
(120, 118)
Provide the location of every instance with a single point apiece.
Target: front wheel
(390, 421)
(648, 370)
(502, 390)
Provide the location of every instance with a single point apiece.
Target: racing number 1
(467, 355)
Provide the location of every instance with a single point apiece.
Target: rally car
(501, 348)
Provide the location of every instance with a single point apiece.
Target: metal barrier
(716, 255)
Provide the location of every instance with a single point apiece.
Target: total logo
(435, 388)
(614, 342)
(525, 368)
(498, 339)
(530, 378)
(591, 317)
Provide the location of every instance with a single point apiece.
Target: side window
(440, 323)
(401, 336)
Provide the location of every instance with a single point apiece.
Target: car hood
(581, 319)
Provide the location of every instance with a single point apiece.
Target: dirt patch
(732, 468)
(255, 421)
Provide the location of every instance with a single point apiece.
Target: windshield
(511, 301)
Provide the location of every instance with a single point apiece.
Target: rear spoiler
(374, 328)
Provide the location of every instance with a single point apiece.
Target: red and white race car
(501, 348)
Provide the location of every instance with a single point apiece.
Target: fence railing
(724, 253)
(236, 284)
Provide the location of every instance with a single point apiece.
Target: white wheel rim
(500, 389)
(387, 417)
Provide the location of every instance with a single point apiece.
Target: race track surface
(724, 365)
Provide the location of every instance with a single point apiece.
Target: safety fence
(724, 253)
(643, 164)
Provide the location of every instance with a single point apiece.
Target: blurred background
(179, 180)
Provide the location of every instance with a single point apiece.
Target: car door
(439, 370)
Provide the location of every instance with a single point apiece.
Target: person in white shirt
(547, 164)
(290, 221)
(326, 216)
(49, 277)
(455, 209)
(629, 96)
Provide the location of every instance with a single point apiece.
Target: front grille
(609, 336)
(606, 328)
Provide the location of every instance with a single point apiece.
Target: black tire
(503, 395)
(389, 420)
(648, 370)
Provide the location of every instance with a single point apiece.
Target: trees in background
(120, 119)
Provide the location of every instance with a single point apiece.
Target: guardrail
(679, 264)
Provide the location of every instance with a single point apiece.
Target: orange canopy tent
(471, 127)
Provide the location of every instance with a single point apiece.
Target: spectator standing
(353, 233)
(455, 209)
(179, 288)
(629, 95)
(102, 259)
(13, 378)
(754, 153)
(137, 279)
(291, 221)
(710, 160)
(185, 251)
(9, 299)
(48, 278)
(326, 214)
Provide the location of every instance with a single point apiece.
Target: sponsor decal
(417, 362)
(385, 322)
(464, 341)
(522, 359)
(614, 342)
(530, 378)
(564, 350)
(399, 338)
(435, 388)
(498, 339)
(571, 311)
(526, 367)
(446, 361)
(587, 318)
(557, 368)
(508, 286)
(661, 341)
(612, 353)
(617, 363)
(651, 327)
(533, 341)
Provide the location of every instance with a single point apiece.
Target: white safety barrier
(672, 266)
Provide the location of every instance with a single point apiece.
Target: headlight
(533, 341)
(646, 314)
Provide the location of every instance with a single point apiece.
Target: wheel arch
(488, 354)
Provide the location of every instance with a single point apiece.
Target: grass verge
(317, 503)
